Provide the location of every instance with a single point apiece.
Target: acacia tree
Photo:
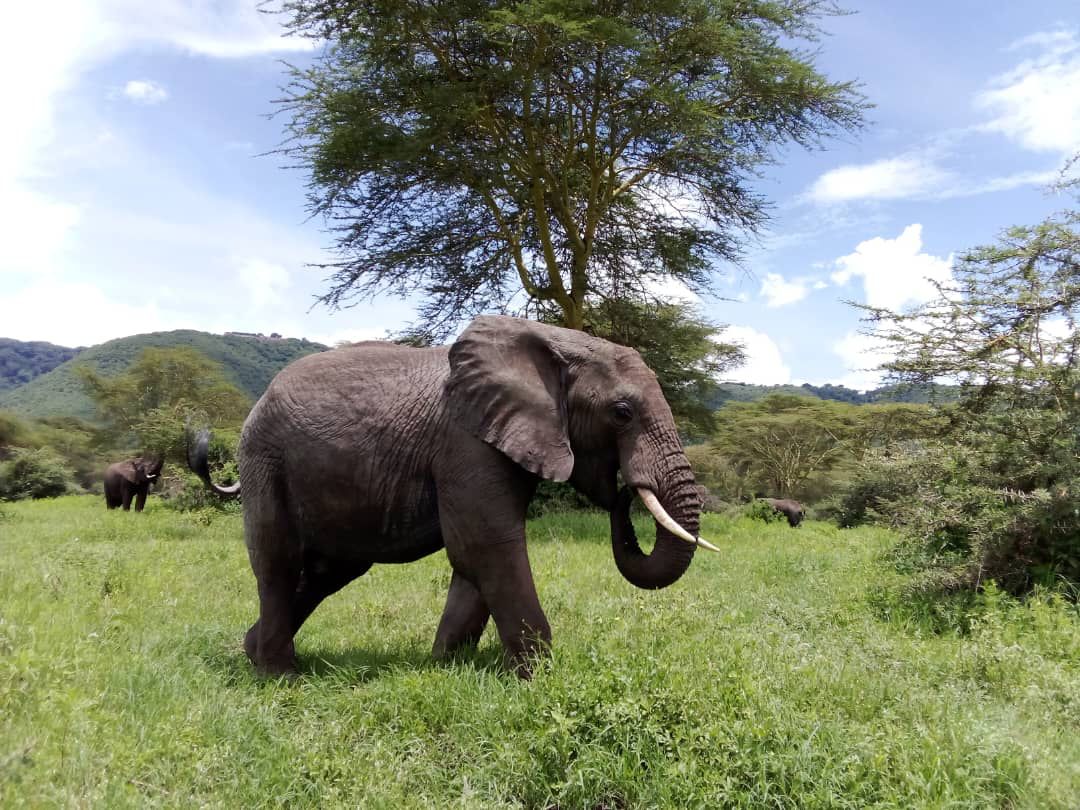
(782, 439)
(999, 499)
(560, 150)
(152, 400)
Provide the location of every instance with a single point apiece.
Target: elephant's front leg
(140, 498)
(482, 501)
(463, 620)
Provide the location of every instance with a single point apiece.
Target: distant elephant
(130, 478)
(381, 453)
(793, 509)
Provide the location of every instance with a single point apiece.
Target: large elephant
(793, 510)
(130, 479)
(381, 453)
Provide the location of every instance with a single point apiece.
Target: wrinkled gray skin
(130, 479)
(379, 453)
(792, 509)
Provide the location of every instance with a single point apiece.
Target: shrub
(760, 510)
(33, 474)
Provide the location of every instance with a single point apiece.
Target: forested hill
(917, 394)
(250, 362)
(22, 361)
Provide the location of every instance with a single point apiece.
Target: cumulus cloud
(764, 363)
(779, 292)
(890, 179)
(145, 91)
(860, 355)
(264, 281)
(1037, 103)
(895, 272)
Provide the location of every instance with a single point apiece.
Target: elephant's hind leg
(276, 563)
(318, 579)
(463, 620)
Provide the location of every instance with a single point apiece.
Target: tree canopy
(551, 151)
(999, 500)
(151, 401)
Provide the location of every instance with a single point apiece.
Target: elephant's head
(571, 407)
(139, 471)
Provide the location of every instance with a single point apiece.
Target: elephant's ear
(507, 387)
(127, 469)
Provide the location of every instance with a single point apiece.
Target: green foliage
(766, 678)
(723, 483)
(574, 151)
(760, 510)
(21, 362)
(159, 394)
(790, 445)
(250, 363)
(30, 473)
(998, 500)
(187, 493)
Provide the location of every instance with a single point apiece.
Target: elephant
(792, 509)
(130, 478)
(382, 453)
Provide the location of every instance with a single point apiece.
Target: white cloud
(894, 271)
(83, 33)
(860, 355)
(779, 292)
(264, 281)
(890, 179)
(672, 290)
(1037, 103)
(80, 314)
(764, 363)
(145, 91)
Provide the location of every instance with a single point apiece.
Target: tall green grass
(780, 673)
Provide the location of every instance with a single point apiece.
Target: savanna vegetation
(792, 670)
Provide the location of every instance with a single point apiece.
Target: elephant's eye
(622, 413)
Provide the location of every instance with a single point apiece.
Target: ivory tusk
(652, 503)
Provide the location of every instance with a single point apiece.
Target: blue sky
(133, 197)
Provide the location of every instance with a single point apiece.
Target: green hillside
(249, 362)
(22, 361)
(912, 394)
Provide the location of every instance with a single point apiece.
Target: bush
(962, 527)
(760, 510)
(33, 474)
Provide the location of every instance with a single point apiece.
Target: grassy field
(783, 672)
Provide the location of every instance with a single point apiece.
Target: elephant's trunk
(671, 555)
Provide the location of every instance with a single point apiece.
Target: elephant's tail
(197, 452)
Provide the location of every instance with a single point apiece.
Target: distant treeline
(922, 394)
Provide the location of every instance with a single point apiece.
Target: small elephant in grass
(792, 509)
(381, 453)
(126, 479)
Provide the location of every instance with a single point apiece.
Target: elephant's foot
(270, 666)
(251, 643)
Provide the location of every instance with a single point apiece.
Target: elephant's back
(350, 435)
(358, 383)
